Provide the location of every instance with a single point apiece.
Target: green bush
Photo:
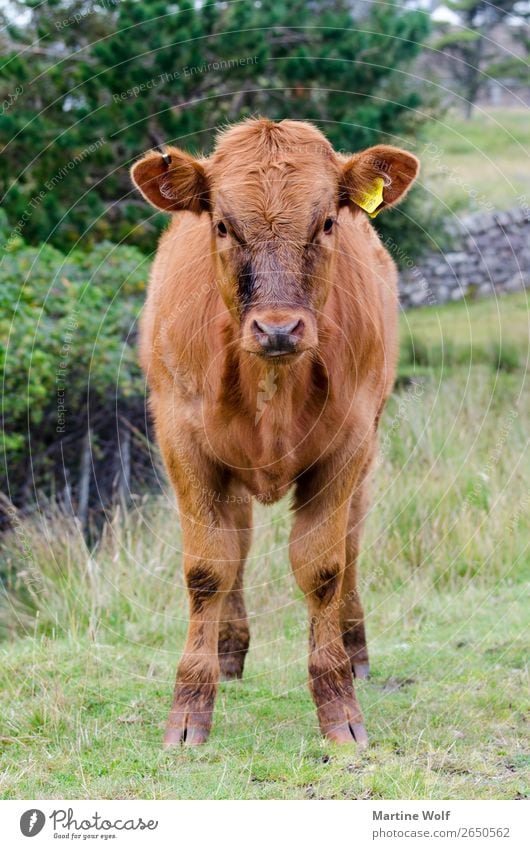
(68, 356)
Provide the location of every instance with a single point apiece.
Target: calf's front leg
(210, 567)
(318, 558)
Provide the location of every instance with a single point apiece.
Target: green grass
(468, 333)
(92, 639)
(487, 155)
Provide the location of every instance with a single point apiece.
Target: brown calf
(269, 344)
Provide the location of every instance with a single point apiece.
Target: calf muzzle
(278, 333)
(278, 339)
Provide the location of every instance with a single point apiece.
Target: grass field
(469, 165)
(467, 334)
(91, 639)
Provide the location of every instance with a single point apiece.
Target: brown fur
(252, 247)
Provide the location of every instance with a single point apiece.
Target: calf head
(273, 192)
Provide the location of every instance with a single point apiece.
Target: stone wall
(490, 253)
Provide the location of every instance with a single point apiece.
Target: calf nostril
(261, 328)
(295, 326)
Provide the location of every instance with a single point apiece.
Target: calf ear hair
(172, 181)
(383, 173)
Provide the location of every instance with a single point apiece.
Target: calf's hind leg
(351, 610)
(234, 635)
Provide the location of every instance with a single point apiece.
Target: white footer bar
(271, 824)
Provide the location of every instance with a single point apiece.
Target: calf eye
(328, 225)
(221, 229)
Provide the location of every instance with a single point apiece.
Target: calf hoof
(182, 731)
(355, 645)
(347, 733)
(339, 716)
(231, 675)
(361, 670)
(231, 661)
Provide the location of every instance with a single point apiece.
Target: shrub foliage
(69, 367)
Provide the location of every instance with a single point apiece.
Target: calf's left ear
(172, 181)
(377, 178)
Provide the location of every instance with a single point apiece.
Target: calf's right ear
(172, 181)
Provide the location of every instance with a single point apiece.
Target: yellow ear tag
(371, 201)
